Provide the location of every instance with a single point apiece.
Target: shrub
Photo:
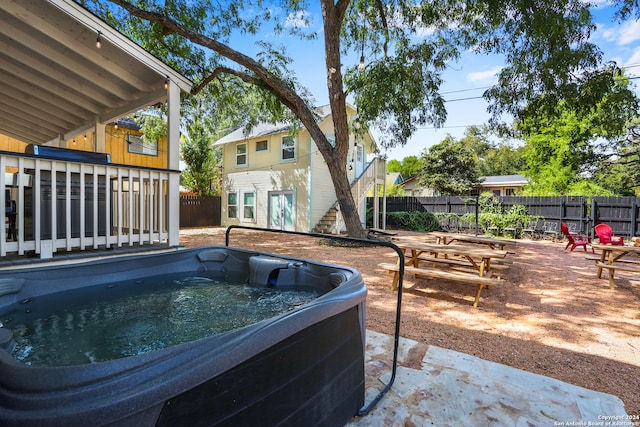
(413, 221)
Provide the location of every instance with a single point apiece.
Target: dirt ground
(553, 316)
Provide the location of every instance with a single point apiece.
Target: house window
(261, 146)
(138, 145)
(510, 192)
(232, 205)
(288, 148)
(241, 155)
(359, 153)
(249, 206)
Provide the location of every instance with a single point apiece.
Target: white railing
(85, 205)
(374, 173)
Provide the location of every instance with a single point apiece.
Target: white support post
(119, 199)
(100, 144)
(173, 148)
(83, 208)
(3, 238)
(141, 208)
(37, 209)
(96, 210)
(130, 209)
(67, 205)
(54, 206)
(107, 208)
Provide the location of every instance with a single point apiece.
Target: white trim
(236, 205)
(295, 149)
(245, 154)
(254, 206)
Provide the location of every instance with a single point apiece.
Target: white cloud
(606, 33)
(629, 32)
(599, 4)
(624, 34)
(484, 76)
(299, 19)
(634, 59)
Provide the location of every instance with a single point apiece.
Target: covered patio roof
(56, 83)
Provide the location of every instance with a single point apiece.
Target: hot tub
(302, 367)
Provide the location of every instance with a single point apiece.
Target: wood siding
(116, 146)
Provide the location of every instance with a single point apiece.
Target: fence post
(594, 216)
(584, 219)
(634, 218)
(477, 213)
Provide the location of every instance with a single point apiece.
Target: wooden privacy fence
(621, 213)
(199, 211)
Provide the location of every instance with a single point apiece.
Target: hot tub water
(127, 319)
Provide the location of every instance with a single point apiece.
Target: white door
(281, 210)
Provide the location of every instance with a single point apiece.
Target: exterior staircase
(327, 225)
(373, 175)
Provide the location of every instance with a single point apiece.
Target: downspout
(310, 190)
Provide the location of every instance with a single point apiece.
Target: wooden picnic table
(612, 257)
(492, 242)
(465, 263)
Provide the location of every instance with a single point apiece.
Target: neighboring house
(394, 178)
(501, 185)
(412, 188)
(275, 179)
(73, 174)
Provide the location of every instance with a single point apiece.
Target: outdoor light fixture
(361, 65)
(99, 40)
(166, 82)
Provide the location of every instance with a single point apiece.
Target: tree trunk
(336, 159)
(348, 206)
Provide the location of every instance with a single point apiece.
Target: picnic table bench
(463, 263)
(433, 273)
(491, 242)
(611, 259)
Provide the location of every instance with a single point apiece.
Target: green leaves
(201, 174)
(449, 168)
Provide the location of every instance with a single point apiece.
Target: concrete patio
(444, 387)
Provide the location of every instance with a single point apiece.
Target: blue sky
(465, 80)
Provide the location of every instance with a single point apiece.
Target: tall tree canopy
(570, 143)
(408, 167)
(407, 46)
(450, 167)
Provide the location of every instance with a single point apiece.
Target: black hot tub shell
(302, 368)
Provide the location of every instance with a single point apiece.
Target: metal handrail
(396, 340)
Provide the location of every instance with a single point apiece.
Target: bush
(413, 221)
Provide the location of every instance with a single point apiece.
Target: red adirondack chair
(575, 240)
(605, 234)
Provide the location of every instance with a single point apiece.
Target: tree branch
(245, 77)
(383, 18)
(286, 94)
